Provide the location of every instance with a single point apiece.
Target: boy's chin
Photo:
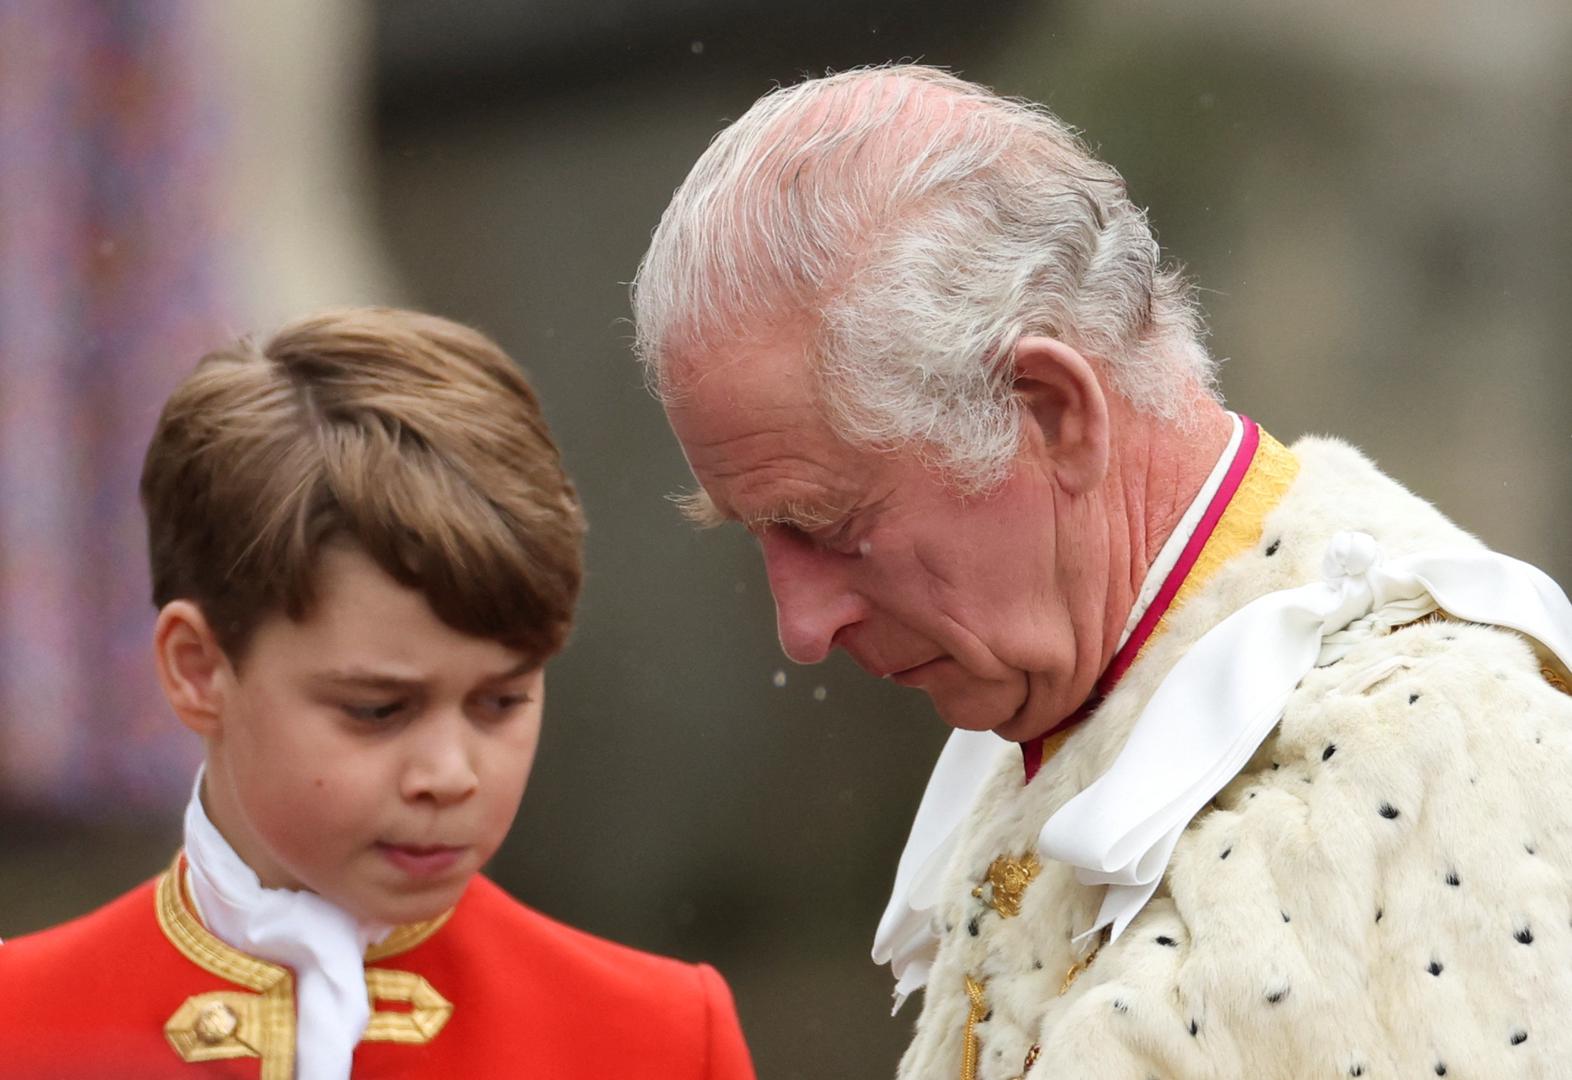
(402, 910)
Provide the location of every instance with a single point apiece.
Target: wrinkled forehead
(729, 394)
(754, 435)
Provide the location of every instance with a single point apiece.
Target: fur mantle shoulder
(1384, 890)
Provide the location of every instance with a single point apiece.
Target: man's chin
(995, 712)
(1008, 712)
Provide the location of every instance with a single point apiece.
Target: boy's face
(371, 753)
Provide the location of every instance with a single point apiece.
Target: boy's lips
(421, 860)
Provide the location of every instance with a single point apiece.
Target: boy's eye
(379, 713)
(502, 704)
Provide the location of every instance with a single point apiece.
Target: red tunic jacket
(140, 990)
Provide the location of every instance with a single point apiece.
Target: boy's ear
(1065, 399)
(192, 668)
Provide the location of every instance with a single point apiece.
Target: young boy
(364, 550)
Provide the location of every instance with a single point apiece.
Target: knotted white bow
(1223, 697)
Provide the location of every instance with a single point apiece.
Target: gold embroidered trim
(405, 938)
(1265, 482)
(419, 1025)
(978, 1010)
(229, 1024)
(1008, 878)
(264, 1022)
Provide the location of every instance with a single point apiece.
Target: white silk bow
(1226, 693)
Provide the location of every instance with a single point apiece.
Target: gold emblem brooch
(1007, 881)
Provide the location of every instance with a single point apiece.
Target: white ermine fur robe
(1384, 891)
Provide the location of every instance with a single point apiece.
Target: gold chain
(979, 1009)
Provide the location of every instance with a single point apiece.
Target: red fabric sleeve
(727, 1057)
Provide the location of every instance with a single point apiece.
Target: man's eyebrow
(699, 508)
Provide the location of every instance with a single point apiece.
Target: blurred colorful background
(1374, 197)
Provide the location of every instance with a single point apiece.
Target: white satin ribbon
(1223, 697)
(324, 944)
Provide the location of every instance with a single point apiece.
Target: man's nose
(440, 768)
(812, 598)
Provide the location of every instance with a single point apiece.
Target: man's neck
(1159, 466)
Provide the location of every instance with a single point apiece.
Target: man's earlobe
(1065, 400)
(192, 668)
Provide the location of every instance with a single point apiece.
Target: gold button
(215, 1023)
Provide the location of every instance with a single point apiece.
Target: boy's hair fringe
(414, 438)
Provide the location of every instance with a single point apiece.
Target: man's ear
(192, 668)
(1064, 398)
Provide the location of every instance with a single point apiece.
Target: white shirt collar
(324, 944)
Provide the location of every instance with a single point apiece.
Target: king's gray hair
(910, 228)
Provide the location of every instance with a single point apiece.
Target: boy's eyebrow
(367, 677)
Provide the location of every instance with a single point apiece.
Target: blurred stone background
(1374, 198)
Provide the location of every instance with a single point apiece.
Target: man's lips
(911, 676)
(421, 860)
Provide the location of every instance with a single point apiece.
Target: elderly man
(1261, 762)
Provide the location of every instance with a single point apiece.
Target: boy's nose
(440, 771)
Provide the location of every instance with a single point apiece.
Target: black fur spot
(1412, 698)
(1524, 936)
(1435, 967)
(1284, 914)
(1357, 1070)
(1452, 879)
(1194, 1026)
(1530, 849)
(1388, 811)
(1037, 965)
(972, 928)
(1164, 939)
(1271, 549)
(1440, 1068)
(1226, 852)
(1331, 748)
(1380, 912)
(986, 1017)
(1277, 995)
(1519, 1037)
(1120, 1006)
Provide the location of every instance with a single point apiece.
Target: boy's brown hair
(413, 437)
